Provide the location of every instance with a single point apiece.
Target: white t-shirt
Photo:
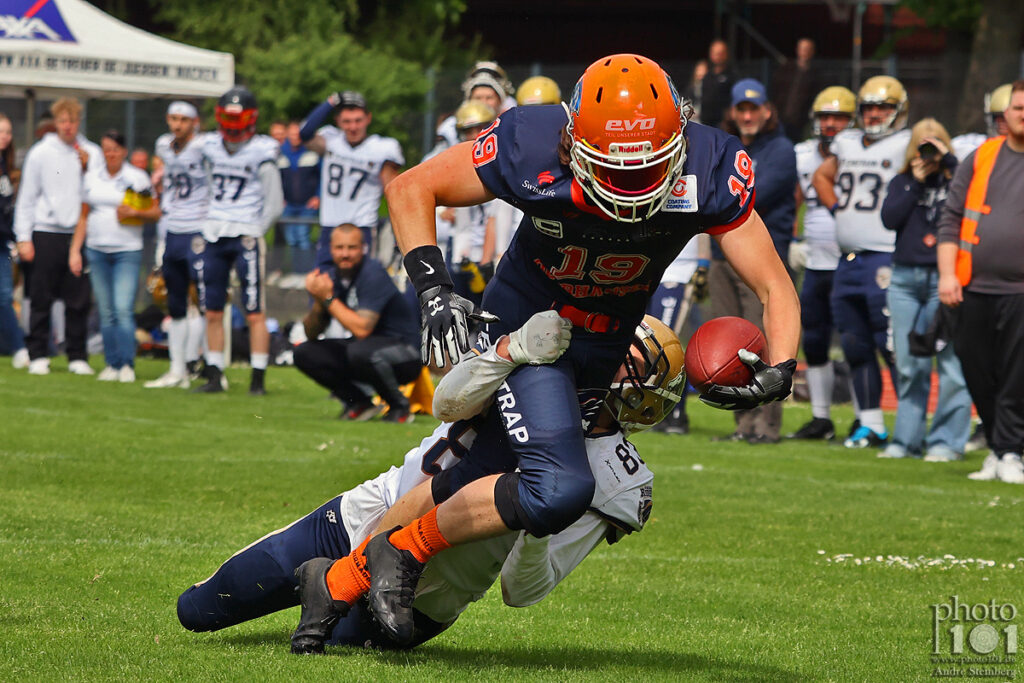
(530, 567)
(237, 195)
(186, 195)
(350, 184)
(104, 193)
(819, 225)
(862, 180)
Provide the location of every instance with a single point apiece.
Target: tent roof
(58, 47)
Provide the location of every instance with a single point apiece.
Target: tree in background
(995, 46)
(293, 55)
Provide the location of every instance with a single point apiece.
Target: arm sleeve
(25, 204)
(315, 119)
(466, 390)
(900, 199)
(953, 211)
(273, 195)
(536, 565)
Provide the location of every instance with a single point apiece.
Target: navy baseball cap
(748, 90)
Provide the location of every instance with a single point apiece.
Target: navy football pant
(247, 255)
(816, 315)
(182, 263)
(542, 409)
(260, 579)
(861, 315)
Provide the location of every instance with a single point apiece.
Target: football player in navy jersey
(612, 188)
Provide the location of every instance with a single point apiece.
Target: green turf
(116, 498)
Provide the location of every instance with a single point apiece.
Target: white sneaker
(1010, 469)
(107, 374)
(168, 380)
(988, 469)
(126, 374)
(20, 359)
(80, 367)
(39, 366)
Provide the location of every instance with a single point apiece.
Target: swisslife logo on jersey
(33, 20)
(683, 197)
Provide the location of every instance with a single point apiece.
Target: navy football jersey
(567, 249)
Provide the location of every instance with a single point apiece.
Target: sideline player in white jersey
(245, 200)
(356, 168)
(260, 579)
(832, 111)
(184, 200)
(996, 103)
(853, 184)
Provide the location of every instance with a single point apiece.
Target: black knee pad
(506, 499)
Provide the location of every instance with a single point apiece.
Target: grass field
(759, 563)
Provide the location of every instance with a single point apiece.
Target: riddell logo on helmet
(621, 125)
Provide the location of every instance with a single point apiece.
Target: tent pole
(129, 123)
(30, 117)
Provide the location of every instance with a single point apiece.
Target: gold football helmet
(157, 287)
(834, 99)
(471, 117)
(538, 90)
(996, 103)
(654, 381)
(883, 90)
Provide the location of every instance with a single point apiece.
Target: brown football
(712, 356)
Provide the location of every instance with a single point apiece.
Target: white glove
(797, 255)
(543, 339)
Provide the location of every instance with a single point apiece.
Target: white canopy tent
(50, 48)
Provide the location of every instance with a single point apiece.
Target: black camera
(928, 151)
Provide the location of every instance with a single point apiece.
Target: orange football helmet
(626, 120)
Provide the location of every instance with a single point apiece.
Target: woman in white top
(111, 228)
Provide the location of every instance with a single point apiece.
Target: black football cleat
(256, 385)
(394, 574)
(819, 428)
(216, 382)
(320, 612)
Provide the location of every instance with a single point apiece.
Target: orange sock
(422, 538)
(347, 579)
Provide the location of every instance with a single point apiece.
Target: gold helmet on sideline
(996, 103)
(654, 381)
(883, 90)
(473, 115)
(157, 287)
(538, 90)
(834, 99)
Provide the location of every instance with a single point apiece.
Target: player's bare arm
(448, 179)
(825, 180)
(750, 252)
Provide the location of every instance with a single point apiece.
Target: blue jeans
(297, 234)
(115, 280)
(913, 303)
(12, 338)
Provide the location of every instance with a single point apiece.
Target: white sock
(873, 419)
(177, 340)
(196, 337)
(820, 379)
(259, 360)
(215, 358)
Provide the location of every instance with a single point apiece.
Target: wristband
(703, 263)
(328, 300)
(426, 269)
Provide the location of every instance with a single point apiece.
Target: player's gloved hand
(445, 326)
(334, 98)
(700, 281)
(770, 383)
(543, 339)
(444, 313)
(797, 255)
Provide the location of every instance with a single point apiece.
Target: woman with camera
(117, 201)
(911, 208)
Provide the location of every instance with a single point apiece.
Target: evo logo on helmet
(506, 402)
(621, 125)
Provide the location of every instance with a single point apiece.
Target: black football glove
(770, 383)
(445, 328)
